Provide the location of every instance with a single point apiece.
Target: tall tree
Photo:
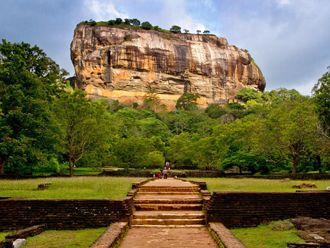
(292, 126)
(322, 99)
(84, 127)
(29, 81)
(175, 29)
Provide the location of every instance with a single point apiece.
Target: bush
(247, 94)
(146, 25)
(118, 21)
(214, 111)
(175, 29)
(155, 159)
(188, 101)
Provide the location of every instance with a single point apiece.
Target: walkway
(168, 213)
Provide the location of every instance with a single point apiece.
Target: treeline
(45, 125)
(136, 24)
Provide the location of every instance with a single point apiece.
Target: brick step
(168, 215)
(168, 189)
(170, 226)
(168, 201)
(167, 196)
(166, 207)
(167, 193)
(199, 221)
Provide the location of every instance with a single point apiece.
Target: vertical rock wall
(125, 64)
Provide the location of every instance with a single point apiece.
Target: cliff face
(126, 64)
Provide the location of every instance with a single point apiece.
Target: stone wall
(237, 209)
(63, 214)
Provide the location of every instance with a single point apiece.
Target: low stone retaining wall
(299, 176)
(238, 209)
(112, 236)
(223, 237)
(63, 214)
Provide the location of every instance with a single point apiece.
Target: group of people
(164, 173)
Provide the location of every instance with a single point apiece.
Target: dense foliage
(136, 24)
(44, 124)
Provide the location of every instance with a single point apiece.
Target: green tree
(247, 94)
(84, 128)
(151, 127)
(292, 128)
(180, 150)
(155, 159)
(118, 21)
(188, 101)
(215, 111)
(146, 25)
(206, 32)
(135, 22)
(29, 81)
(131, 152)
(175, 29)
(322, 99)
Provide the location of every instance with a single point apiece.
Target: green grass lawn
(263, 236)
(65, 238)
(69, 188)
(258, 185)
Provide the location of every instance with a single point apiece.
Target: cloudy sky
(289, 39)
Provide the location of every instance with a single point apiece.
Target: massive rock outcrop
(125, 64)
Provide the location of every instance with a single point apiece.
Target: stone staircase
(168, 202)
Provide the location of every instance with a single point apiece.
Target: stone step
(170, 226)
(168, 201)
(167, 196)
(168, 189)
(167, 193)
(167, 207)
(168, 215)
(199, 221)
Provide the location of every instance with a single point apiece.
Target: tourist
(165, 173)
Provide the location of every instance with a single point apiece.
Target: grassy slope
(69, 188)
(65, 239)
(264, 237)
(257, 185)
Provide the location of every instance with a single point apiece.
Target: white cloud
(290, 45)
(305, 89)
(177, 14)
(103, 10)
(283, 2)
(208, 3)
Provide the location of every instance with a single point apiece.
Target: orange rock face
(125, 64)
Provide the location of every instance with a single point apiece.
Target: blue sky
(289, 39)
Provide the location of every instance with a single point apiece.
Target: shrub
(175, 29)
(146, 25)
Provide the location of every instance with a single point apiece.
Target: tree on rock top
(175, 29)
(146, 25)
